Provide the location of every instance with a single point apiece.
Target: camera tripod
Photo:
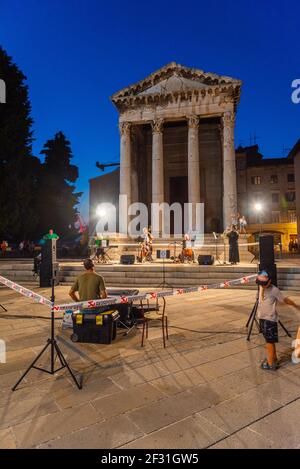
(54, 349)
(253, 319)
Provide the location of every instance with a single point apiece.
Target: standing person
(233, 236)
(21, 247)
(151, 238)
(89, 285)
(235, 219)
(268, 297)
(243, 224)
(51, 235)
(4, 246)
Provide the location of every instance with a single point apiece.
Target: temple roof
(176, 79)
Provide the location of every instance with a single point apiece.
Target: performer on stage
(146, 251)
(233, 236)
(187, 251)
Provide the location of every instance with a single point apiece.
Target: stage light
(258, 207)
(101, 212)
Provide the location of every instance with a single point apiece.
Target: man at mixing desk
(89, 285)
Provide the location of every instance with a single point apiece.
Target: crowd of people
(293, 245)
(24, 248)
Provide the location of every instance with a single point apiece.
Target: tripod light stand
(54, 349)
(253, 319)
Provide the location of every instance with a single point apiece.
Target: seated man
(89, 285)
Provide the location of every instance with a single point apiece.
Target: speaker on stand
(267, 256)
(49, 268)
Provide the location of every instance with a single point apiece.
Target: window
(275, 217)
(274, 179)
(292, 218)
(255, 180)
(291, 177)
(290, 196)
(275, 198)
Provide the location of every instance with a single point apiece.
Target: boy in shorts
(269, 295)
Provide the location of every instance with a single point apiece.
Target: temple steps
(151, 275)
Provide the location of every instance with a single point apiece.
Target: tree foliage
(34, 196)
(57, 198)
(19, 170)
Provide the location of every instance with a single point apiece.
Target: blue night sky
(76, 53)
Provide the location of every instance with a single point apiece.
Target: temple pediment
(176, 80)
(173, 84)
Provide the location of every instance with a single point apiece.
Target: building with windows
(294, 155)
(267, 194)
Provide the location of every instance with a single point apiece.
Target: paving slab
(48, 427)
(205, 389)
(192, 432)
(111, 434)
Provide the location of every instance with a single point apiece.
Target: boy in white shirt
(269, 295)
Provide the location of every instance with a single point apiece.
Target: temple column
(157, 166)
(193, 167)
(125, 160)
(229, 170)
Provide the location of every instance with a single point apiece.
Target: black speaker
(163, 254)
(204, 259)
(49, 251)
(267, 256)
(266, 250)
(49, 271)
(127, 259)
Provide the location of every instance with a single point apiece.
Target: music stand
(163, 254)
(54, 349)
(216, 245)
(174, 244)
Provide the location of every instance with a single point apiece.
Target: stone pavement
(205, 390)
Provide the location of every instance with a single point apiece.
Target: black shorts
(269, 330)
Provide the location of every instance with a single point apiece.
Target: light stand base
(64, 364)
(54, 350)
(253, 319)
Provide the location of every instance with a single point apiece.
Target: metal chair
(155, 316)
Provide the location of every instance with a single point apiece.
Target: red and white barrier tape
(151, 295)
(25, 292)
(121, 299)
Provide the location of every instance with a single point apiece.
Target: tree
(19, 170)
(57, 199)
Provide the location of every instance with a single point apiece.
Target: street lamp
(258, 208)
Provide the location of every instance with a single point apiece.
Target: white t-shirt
(267, 303)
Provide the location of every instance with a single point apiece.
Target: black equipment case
(95, 327)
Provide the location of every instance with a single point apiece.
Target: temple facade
(177, 141)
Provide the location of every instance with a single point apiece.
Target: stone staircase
(151, 275)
